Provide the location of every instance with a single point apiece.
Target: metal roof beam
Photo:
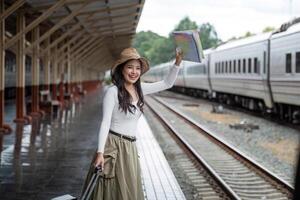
(62, 22)
(12, 9)
(53, 44)
(36, 22)
(89, 49)
(112, 7)
(113, 17)
(60, 38)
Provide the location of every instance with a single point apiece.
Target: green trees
(268, 29)
(154, 47)
(186, 24)
(159, 49)
(209, 36)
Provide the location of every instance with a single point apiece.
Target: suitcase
(87, 192)
(89, 189)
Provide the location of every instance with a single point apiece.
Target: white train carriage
(196, 77)
(153, 74)
(238, 72)
(180, 82)
(156, 73)
(150, 76)
(285, 68)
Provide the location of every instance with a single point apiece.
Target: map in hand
(189, 42)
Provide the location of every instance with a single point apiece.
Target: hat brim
(144, 63)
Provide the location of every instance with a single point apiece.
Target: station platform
(158, 179)
(51, 157)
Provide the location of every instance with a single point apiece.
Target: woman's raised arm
(167, 82)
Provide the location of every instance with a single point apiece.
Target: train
(260, 73)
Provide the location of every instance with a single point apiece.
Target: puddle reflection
(35, 149)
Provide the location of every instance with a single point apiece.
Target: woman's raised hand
(179, 55)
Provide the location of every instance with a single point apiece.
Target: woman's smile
(132, 71)
(133, 76)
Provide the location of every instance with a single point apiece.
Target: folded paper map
(190, 44)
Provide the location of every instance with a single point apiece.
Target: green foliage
(159, 49)
(162, 51)
(143, 42)
(186, 24)
(156, 48)
(268, 29)
(208, 36)
(247, 34)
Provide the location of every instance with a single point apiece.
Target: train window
(222, 67)
(196, 69)
(230, 67)
(297, 62)
(288, 63)
(265, 57)
(216, 65)
(234, 66)
(226, 67)
(244, 65)
(249, 65)
(239, 66)
(255, 66)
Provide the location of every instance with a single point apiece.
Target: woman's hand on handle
(179, 55)
(99, 161)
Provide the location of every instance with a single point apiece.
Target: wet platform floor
(51, 156)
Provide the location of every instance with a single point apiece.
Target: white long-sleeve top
(115, 119)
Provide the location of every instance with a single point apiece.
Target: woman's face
(132, 71)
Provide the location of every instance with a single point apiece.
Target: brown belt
(130, 138)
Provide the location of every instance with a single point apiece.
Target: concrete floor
(50, 157)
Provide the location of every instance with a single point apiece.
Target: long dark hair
(123, 95)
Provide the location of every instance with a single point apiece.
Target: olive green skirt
(121, 176)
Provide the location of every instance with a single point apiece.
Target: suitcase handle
(98, 169)
(88, 191)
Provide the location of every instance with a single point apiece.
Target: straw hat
(129, 54)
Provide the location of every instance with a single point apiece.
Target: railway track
(238, 176)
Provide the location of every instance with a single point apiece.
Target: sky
(229, 17)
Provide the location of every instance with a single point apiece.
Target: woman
(122, 106)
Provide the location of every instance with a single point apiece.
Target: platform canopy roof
(100, 28)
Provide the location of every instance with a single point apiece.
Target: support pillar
(35, 72)
(68, 88)
(47, 67)
(54, 75)
(20, 76)
(61, 83)
(3, 127)
(73, 79)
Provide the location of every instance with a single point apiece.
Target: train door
(265, 72)
(208, 75)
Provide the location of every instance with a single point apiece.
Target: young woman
(122, 106)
